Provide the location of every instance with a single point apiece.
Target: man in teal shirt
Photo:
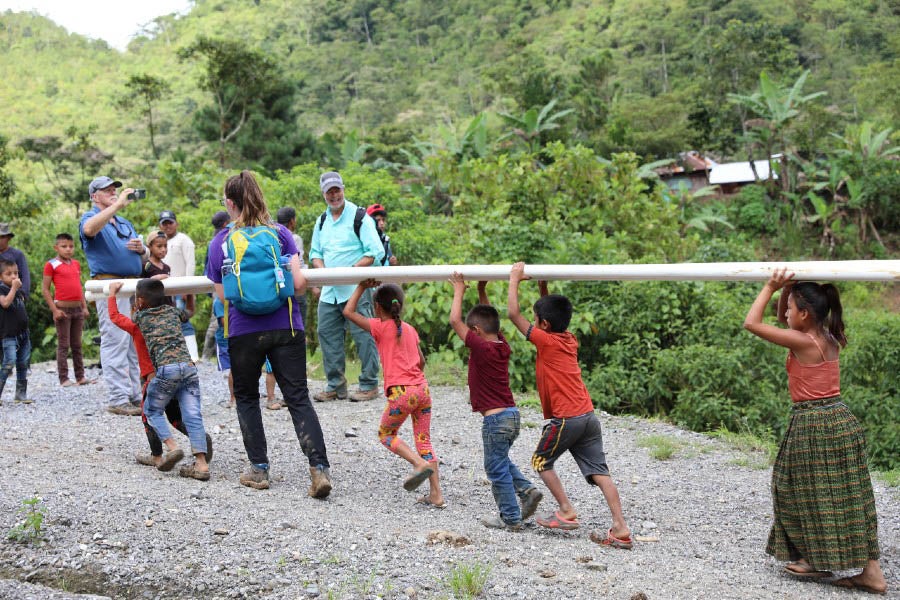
(335, 243)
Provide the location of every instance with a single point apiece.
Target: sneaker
(321, 482)
(329, 395)
(530, 500)
(496, 522)
(363, 395)
(256, 478)
(127, 409)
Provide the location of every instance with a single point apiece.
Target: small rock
(648, 525)
(220, 531)
(584, 559)
(639, 596)
(196, 495)
(312, 590)
(350, 434)
(455, 441)
(595, 567)
(646, 538)
(286, 525)
(448, 537)
(410, 592)
(547, 573)
(98, 448)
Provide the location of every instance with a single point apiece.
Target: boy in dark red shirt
(490, 395)
(573, 426)
(68, 308)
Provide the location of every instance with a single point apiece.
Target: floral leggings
(404, 401)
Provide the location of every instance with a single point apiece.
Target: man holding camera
(114, 251)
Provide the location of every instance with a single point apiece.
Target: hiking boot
(496, 522)
(127, 409)
(22, 392)
(321, 482)
(363, 395)
(256, 478)
(329, 395)
(530, 500)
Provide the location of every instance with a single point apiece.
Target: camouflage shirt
(161, 328)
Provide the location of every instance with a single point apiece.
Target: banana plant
(533, 123)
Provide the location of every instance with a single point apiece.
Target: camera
(138, 194)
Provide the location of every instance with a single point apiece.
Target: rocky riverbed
(118, 529)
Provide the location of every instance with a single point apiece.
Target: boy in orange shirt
(68, 308)
(573, 425)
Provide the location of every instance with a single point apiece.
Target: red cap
(375, 209)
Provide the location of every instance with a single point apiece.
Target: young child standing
(821, 491)
(68, 307)
(489, 394)
(565, 401)
(14, 331)
(176, 377)
(404, 384)
(158, 245)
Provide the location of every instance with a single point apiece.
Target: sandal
(803, 569)
(612, 541)
(85, 381)
(852, 583)
(68, 383)
(556, 521)
(145, 459)
(191, 472)
(417, 478)
(427, 502)
(274, 405)
(170, 459)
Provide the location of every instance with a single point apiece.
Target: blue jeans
(498, 432)
(16, 352)
(179, 381)
(332, 332)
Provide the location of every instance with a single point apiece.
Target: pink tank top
(813, 381)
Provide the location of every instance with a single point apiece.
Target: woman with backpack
(256, 272)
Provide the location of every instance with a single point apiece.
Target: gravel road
(121, 530)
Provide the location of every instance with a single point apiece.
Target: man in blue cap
(114, 251)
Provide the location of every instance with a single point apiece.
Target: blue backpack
(256, 278)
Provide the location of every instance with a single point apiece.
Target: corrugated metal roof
(740, 172)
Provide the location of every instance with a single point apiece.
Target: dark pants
(287, 355)
(68, 335)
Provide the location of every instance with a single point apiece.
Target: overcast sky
(115, 21)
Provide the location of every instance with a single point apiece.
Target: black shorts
(579, 435)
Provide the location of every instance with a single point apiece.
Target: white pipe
(850, 270)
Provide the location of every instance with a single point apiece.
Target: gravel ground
(118, 529)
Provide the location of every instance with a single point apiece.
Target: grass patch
(445, 368)
(748, 461)
(890, 478)
(468, 580)
(530, 425)
(749, 443)
(660, 447)
(528, 401)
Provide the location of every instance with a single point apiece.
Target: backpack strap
(357, 220)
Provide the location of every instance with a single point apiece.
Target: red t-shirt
(127, 325)
(66, 279)
(558, 375)
(488, 373)
(399, 356)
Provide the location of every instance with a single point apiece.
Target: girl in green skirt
(821, 491)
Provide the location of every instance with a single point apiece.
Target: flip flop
(851, 583)
(611, 541)
(425, 500)
(803, 570)
(556, 521)
(417, 478)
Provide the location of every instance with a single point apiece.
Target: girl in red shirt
(405, 385)
(821, 491)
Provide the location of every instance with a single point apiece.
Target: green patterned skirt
(822, 494)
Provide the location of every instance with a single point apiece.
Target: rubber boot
(22, 391)
(321, 482)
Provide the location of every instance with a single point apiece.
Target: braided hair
(389, 296)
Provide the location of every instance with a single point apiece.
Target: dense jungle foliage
(503, 131)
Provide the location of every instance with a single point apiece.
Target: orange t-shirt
(399, 356)
(558, 375)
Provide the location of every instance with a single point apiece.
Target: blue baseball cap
(102, 182)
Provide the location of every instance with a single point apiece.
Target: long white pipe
(850, 270)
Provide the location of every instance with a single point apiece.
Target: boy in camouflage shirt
(176, 376)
